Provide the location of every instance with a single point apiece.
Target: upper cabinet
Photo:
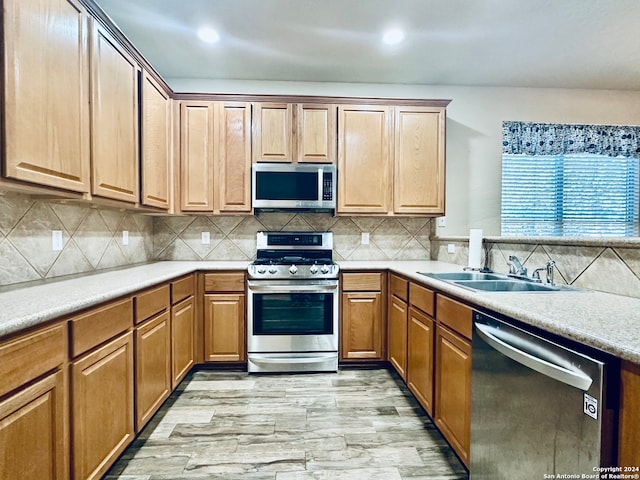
(419, 160)
(156, 143)
(391, 160)
(294, 132)
(364, 152)
(46, 93)
(215, 151)
(114, 119)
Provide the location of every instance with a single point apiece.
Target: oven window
(293, 314)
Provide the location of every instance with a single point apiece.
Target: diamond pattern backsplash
(234, 238)
(92, 239)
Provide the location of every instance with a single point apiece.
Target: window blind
(570, 195)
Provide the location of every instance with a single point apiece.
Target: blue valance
(526, 138)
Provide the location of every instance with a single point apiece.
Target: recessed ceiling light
(208, 35)
(393, 36)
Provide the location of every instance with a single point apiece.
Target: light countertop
(604, 321)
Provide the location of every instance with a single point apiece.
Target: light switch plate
(451, 248)
(441, 222)
(125, 237)
(206, 238)
(365, 238)
(56, 240)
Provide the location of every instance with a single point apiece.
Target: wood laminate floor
(350, 425)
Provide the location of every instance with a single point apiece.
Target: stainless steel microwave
(293, 186)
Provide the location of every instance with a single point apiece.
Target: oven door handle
(289, 360)
(293, 289)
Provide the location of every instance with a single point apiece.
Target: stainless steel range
(293, 303)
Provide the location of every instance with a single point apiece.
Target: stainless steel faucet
(549, 269)
(516, 267)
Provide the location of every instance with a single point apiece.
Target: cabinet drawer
(224, 282)
(421, 298)
(454, 314)
(151, 302)
(399, 287)
(99, 325)
(29, 356)
(362, 282)
(181, 289)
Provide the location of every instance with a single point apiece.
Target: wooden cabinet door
(33, 431)
(629, 431)
(364, 159)
(453, 390)
(361, 335)
(196, 156)
(419, 160)
(156, 143)
(420, 346)
(182, 339)
(233, 157)
(153, 367)
(272, 132)
(114, 125)
(397, 335)
(46, 93)
(224, 329)
(316, 134)
(102, 407)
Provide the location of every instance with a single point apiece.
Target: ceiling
(591, 44)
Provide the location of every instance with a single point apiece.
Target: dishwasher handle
(573, 378)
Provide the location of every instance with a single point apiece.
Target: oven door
(292, 316)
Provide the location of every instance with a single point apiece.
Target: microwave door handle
(320, 182)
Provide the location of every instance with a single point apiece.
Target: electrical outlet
(56, 240)
(206, 238)
(441, 222)
(451, 248)
(365, 238)
(125, 237)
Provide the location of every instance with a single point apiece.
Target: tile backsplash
(234, 238)
(92, 239)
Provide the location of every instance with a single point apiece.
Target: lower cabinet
(153, 366)
(397, 324)
(102, 408)
(34, 413)
(453, 374)
(224, 317)
(182, 339)
(33, 431)
(629, 428)
(420, 358)
(223, 328)
(362, 335)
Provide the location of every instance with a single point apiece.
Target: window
(576, 194)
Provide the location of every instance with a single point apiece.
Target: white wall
(474, 129)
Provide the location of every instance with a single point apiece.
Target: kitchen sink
(496, 282)
(454, 276)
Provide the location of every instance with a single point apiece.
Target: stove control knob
(293, 269)
(313, 269)
(262, 269)
(325, 269)
(273, 269)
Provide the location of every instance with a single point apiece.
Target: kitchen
(93, 238)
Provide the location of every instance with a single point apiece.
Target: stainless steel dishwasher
(537, 407)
